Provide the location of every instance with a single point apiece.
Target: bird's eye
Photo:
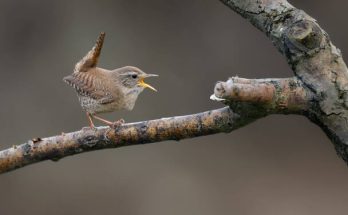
(134, 76)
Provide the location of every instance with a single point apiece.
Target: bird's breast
(130, 97)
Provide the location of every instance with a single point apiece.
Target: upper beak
(150, 75)
(145, 85)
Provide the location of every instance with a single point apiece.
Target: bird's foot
(117, 123)
(89, 128)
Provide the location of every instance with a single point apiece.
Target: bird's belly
(94, 106)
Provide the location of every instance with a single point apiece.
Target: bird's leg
(111, 124)
(91, 124)
(102, 120)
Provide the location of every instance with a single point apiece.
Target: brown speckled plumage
(100, 90)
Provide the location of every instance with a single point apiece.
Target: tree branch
(280, 96)
(173, 128)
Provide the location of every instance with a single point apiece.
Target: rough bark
(318, 90)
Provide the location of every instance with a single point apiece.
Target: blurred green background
(277, 165)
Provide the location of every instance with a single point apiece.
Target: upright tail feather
(91, 59)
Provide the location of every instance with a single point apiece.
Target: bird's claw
(117, 123)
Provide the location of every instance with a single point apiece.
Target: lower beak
(145, 85)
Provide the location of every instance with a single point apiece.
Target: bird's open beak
(145, 85)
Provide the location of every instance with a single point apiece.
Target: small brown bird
(100, 90)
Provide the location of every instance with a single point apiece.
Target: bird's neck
(130, 97)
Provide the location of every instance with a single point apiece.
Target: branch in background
(316, 62)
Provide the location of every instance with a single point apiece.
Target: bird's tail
(91, 58)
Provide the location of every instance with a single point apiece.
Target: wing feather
(85, 85)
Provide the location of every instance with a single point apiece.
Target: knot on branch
(304, 36)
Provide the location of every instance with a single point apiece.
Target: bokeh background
(277, 165)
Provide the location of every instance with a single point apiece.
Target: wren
(101, 90)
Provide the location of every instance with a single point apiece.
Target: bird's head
(133, 78)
